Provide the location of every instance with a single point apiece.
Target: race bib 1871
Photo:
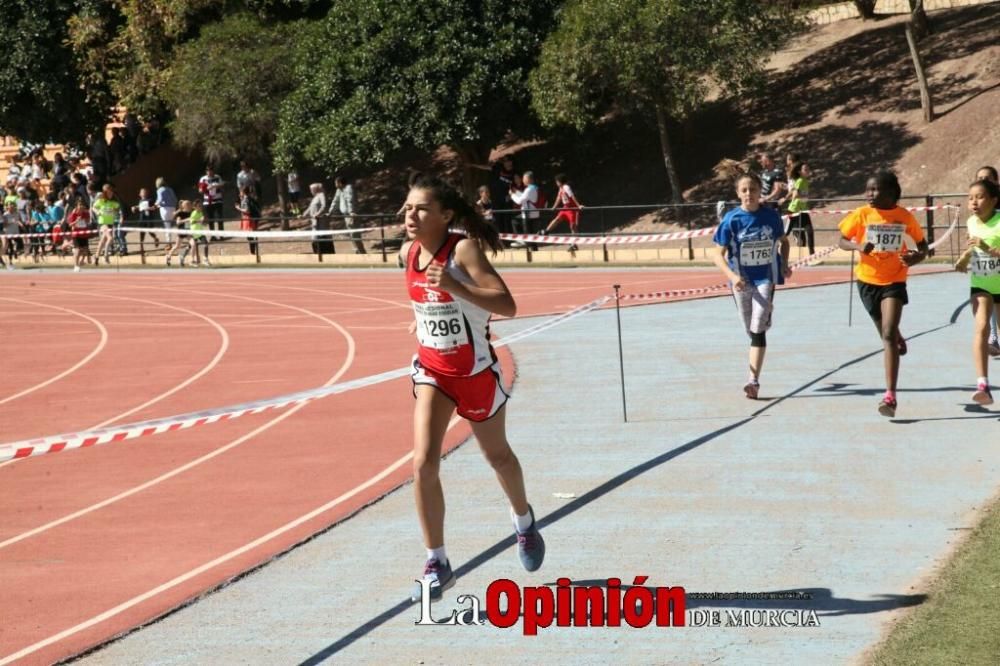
(440, 325)
(756, 253)
(885, 237)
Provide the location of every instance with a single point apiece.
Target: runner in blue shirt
(747, 252)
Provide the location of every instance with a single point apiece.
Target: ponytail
(451, 199)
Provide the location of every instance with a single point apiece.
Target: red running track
(97, 541)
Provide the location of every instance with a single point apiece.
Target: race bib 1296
(440, 325)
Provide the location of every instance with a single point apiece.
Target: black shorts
(979, 290)
(873, 294)
(81, 241)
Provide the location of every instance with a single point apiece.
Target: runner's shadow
(979, 411)
(838, 389)
(819, 599)
(586, 499)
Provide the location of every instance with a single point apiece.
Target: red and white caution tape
(607, 240)
(55, 234)
(53, 444)
(912, 209)
(948, 232)
(673, 293)
(265, 235)
(666, 237)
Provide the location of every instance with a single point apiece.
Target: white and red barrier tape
(665, 237)
(265, 235)
(673, 293)
(607, 240)
(53, 444)
(55, 234)
(527, 238)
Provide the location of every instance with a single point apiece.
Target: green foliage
(639, 55)
(128, 46)
(40, 85)
(224, 86)
(376, 76)
(655, 58)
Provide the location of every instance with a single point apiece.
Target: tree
(224, 87)
(128, 46)
(42, 97)
(656, 58)
(866, 8)
(378, 76)
(918, 19)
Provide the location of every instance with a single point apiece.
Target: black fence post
(381, 232)
(930, 218)
(604, 246)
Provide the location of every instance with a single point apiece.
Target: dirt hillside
(844, 96)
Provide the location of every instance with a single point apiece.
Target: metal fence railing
(381, 234)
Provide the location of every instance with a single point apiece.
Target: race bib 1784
(983, 264)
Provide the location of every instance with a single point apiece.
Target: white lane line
(163, 477)
(82, 362)
(174, 582)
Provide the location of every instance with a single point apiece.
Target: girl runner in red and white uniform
(454, 290)
(567, 205)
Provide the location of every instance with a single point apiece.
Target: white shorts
(167, 215)
(755, 304)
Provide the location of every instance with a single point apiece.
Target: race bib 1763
(756, 253)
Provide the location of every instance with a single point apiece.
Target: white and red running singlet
(454, 334)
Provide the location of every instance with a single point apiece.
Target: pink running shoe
(887, 407)
(982, 396)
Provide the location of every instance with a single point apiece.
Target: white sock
(521, 523)
(437, 554)
(983, 380)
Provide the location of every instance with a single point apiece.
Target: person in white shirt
(527, 199)
(318, 221)
(343, 206)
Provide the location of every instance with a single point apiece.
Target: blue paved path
(808, 490)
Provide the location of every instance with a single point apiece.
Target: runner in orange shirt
(878, 232)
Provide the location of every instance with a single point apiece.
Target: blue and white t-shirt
(752, 239)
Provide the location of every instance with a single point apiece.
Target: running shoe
(531, 546)
(901, 344)
(887, 407)
(440, 577)
(983, 396)
(751, 389)
(993, 348)
(76, 269)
